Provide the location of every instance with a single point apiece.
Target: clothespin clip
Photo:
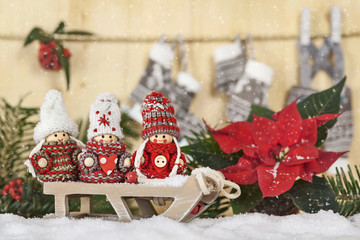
(162, 39)
(305, 27)
(251, 46)
(335, 24)
(182, 53)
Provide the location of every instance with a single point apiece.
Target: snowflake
(103, 120)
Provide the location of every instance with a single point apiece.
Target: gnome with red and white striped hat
(102, 160)
(159, 156)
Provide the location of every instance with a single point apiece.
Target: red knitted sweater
(151, 151)
(96, 173)
(61, 161)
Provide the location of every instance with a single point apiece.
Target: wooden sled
(189, 200)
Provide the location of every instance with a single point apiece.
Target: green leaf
(37, 34)
(60, 28)
(250, 197)
(206, 152)
(327, 101)
(315, 196)
(260, 111)
(64, 62)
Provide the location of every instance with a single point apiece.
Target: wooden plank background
(117, 66)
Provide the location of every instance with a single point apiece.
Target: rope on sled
(211, 180)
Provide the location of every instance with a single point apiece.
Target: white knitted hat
(54, 118)
(105, 116)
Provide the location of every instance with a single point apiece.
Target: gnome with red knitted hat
(102, 160)
(159, 155)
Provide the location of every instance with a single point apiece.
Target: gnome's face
(107, 138)
(57, 137)
(162, 138)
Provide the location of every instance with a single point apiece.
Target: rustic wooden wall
(117, 66)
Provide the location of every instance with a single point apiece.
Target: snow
(323, 225)
(173, 181)
(274, 170)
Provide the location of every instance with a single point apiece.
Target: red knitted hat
(158, 116)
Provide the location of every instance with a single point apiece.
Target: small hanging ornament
(14, 188)
(52, 54)
(48, 57)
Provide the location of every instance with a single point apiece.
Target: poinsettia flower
(276, 151)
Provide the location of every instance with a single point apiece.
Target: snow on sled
(189, 195)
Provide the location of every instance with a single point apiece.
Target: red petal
(273, 182)
(264, 131)
(266, 156)
(324, 162)
(289, 124)
(322, 119)
(308, 134)
(302, 154)
(232, 138)
(305, 174)
(244, 172)
(251, 150)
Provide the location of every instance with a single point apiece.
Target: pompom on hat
(105, 116)
(158, 116)
(54, 118)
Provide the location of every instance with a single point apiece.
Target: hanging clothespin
(162, 39)
(335, 24)
(237, 39)
(182, 53)
(305, 27)
(251, 46)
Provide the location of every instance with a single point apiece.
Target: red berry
(7, 186)
(131, 177)
(19, 181)
(66, 53)
(14, 193)
(53, 44)
(5, 191)
(17, 196)
(48, 57)
(12, 183)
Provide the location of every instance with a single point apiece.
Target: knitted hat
(54, 118)
(158, 116)
(105, 116)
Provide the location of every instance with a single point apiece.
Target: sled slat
(146, 208)
(185, 198)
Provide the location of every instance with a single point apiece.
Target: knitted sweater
(61, 161)
(151, 151)
(108, 162)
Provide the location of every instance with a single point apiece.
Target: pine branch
(347, 190)
(205, 151)
(15, 139)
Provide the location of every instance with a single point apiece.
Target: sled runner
(190, 196)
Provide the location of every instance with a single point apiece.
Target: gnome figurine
(102, 160)
(55, 156)
(159, 155)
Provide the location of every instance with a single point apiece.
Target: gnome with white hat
(55, 156)
(102, 161)
(159, 156)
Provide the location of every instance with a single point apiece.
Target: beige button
(160, 161)
(42, 162)
(89, 162)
